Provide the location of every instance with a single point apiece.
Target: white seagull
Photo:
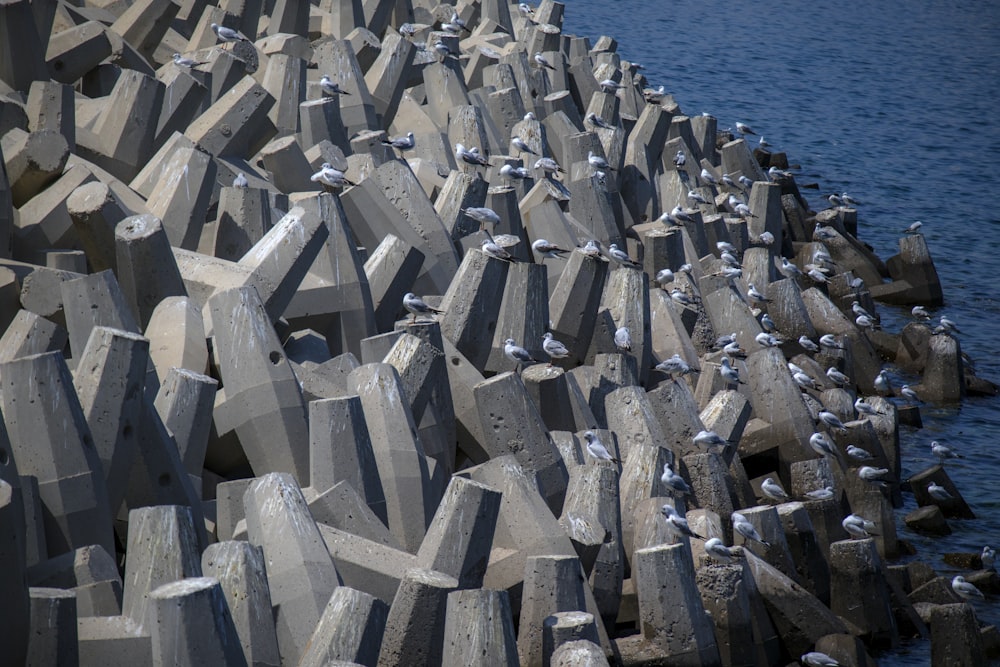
(729, 374)
(619, 255)
(542, 62)
(773, 490)
(677, 524)
(181, 61)
(547, 165)
(517, 354)
(401, 143)
(938, 492)
(598, 162)
(807, 344)
(965, 590)
(327, 175)
(858, 526)
(240, 181)
(470, 156)
(546, 249)
(225, 34)
(623, 339)
(673, 481)
(493, 249)
(719, 551)
(743, 128)
(330, 87)
(943, 451)
(417, 306)
(818, 659)
(597, 449)
(553, 348)
(743, 526)
(521, 147)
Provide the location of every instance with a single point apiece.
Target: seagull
(521, 147)
(597, 449)
(591, 249)
(859, 454)
(949, 325)
(788, 269)
(871, 474)
(858, 526)
(708, 177)
(597, 121)
(729, 374)
(832, 420)
(818, 659)
(745, 182)
(804, 380)
(826, 493)
(755, 296)
(493, 249)
(443, 50)
(240, 181)
(719, 551)
(743, 128)
(677, 295)
(623, 339)
(598, 162)
(743, 526)
(525, 10)
(914, 228)
(822, 445)
(938, 492)
(767, 323)
(327, 175)
(673, 481)
(773, 490)
(881, 382)
(849, 200)
(866, 409)
(806, 343)
(677, 524)
(417, 306)
(837, 377)
(909, 394)
(725, 339)
(675, 366)
(664, 276)
(181, 61)
(987, 557)
(762, 142)
(402, 143)
(553, 348)
(829, 340)
(619, 255)
(510, 172)
(516, 353)
(547, 164)
(734, 350)
(863, 321)
(777, 174)
(709, 439)
(482, 215)
(542, 62)
(694, 195)
(654, 96)
(470, 156)
(546, 249)
(610, 85)
(225, 34)
(965, 590)
(679, 159)
(943, 451)
(920, 313)
(767, 340)
(330, 87)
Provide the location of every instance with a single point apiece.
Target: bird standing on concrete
(401, 143)
(542, 62)
(329, 176)
(807, 344)
(546, 249)
(442, 50)
(965, 590)
(767, 340)
(743, 128)
(521, 147)
(755, 296)
(831, 420)
(938, 492)
(837, 377)
(709, 439)
(719, 551)
(548, 165)
(674, 367)
(517, 354)
(820, 494)
(241, 181)
(417, 306)
(483, 215)
(909, 394)
(881, 383)
(516, 173)
(674, 482)
(729, 374)
(610, 86)
(330, 87)
(944, 452)
(677, 524)
(988, 557)
(873, 474)
(859, 454)
(225, 34)
(623, 339)
(743, 526)
(680, 159)
(708, 176)
(858, 526)
(818, 659)
(553, 348)
(914, 228)
(773, 490)
(181, 61)
(597, 449)
(493, 249)
(470, 156)
(597, 121)
(620, 256)
(822, 445)
(598, 162)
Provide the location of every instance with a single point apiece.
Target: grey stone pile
(388, 332)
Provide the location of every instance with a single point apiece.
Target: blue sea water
(896, 103)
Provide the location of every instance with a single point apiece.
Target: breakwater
(477, 319)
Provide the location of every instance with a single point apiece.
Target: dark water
(896, 103)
